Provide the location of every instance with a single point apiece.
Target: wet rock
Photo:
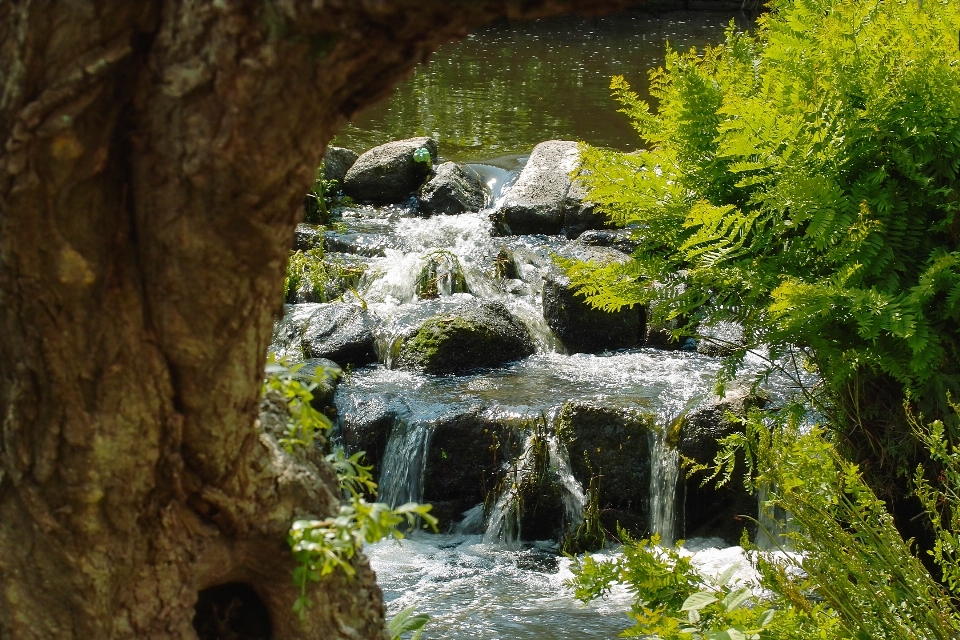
(471, 334)
(453, 189)
(368, 245)
(337, 162)
(659, 334)
(388, 173)
(307, 236)
(613, 443)
(619, 239)
(365, 425)
(341, 332)
(710, 510)
(287, 341)
(465, 461)
(535, 204)
(582, 328)
(579, 214)
(719, 339)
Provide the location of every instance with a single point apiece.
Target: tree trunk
(155, 156)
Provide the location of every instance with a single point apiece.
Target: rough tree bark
(154, 157)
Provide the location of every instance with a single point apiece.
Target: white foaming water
(472, 589)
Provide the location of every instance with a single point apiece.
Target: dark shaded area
(231, 611)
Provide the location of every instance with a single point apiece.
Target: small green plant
(327, 278)
(305, 425)
(321, 547)
(320, 200)
(589, 534)
(405, 622)
(675, 602)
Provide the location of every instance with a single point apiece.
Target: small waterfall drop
(573, 495)
(664, 472)
(404, 462)
(503, 521)
(773, 524)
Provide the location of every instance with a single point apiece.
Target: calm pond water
(511, 85)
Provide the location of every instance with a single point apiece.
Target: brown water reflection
(509, 86)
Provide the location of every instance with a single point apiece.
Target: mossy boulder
(473, 334)
(614, 443)
(465, 461)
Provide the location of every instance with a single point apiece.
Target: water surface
(510, 85)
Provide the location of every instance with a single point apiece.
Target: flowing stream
(488, 100)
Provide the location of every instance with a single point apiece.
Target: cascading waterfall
(664, 472)
(572, 493)
(404, 462)
(503, 521)
(773, 524)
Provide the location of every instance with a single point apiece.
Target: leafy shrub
(321, 547)
(802, 181)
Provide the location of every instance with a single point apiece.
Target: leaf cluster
(802, 181)
(321, 547)
(673, 601)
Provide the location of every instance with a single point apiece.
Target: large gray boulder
(341, 332)
(453, 189)
(389, 174)
(337, 331)
(580, 214)
(580, 327)
(535, 203)
(452, 338)
(337, 162)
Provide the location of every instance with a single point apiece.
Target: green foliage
(328, 279)
(850, 550)
(407, 622)
(589, 534)
(305, 425)
(321, 199)
(321, 547)
(941, 499)
(442, 274)
(802, 181)
(853, 575)
(674, 602)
